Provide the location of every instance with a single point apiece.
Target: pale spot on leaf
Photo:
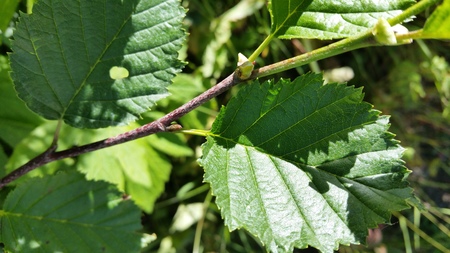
(118, 73)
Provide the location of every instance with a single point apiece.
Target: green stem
(342, 46)
(411, 35)
(412, 11)
(421, 233)
(261, 47)
(336, 48)
(199, 228)
(197, 132)
(309, 47)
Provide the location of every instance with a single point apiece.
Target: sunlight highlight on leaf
(64, 51)
(292, 161)
(118, 73)
(438, 25)
(325, 20)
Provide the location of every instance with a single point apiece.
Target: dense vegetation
(152, 191)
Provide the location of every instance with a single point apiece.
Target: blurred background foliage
(411, 83)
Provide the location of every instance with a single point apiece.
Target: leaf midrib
(93, 67)
(282, 24)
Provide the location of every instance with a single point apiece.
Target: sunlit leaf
(63, 52)
(301, 163)
(438, 24)
(320, 19)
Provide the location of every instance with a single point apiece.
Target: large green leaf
(64, 51)
(320, 19)
(16, 120)
(304, 163)
(134, 167)
(65, 213)
(438, 24)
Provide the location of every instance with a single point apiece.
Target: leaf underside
(63, 52)
(66, 213)
(318, 19)
(300, 164)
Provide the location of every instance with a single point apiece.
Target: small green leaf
(292, 161)
(66, 213)
(171, 144)
(63, 52)
(330, 19)
(438, 24)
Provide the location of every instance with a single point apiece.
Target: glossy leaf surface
(63, 53)
(301, 163)
(319, 19)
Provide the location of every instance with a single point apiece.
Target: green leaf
(134, 167)
(16, 120)
(63, 53)
(185, 87)
(291, 162)
(33, 144)
(7, 10)
(318, 19)
(438, 24)
(171, 144)
(3, 160)
(65, 213)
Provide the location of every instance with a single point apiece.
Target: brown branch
(161, 125)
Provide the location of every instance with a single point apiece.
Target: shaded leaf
(437, 25)
(64, 50)
(171, 144)
(317, 19)
(66, 213)
(16, 120)
(301, 164)
(134, 167)
(3, 160)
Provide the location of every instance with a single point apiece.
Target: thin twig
(161, 125)
(164, 124)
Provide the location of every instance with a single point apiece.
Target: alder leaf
(319, 19)
(437, 25)
(64, 51)
(301, 163)
(66, 213)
